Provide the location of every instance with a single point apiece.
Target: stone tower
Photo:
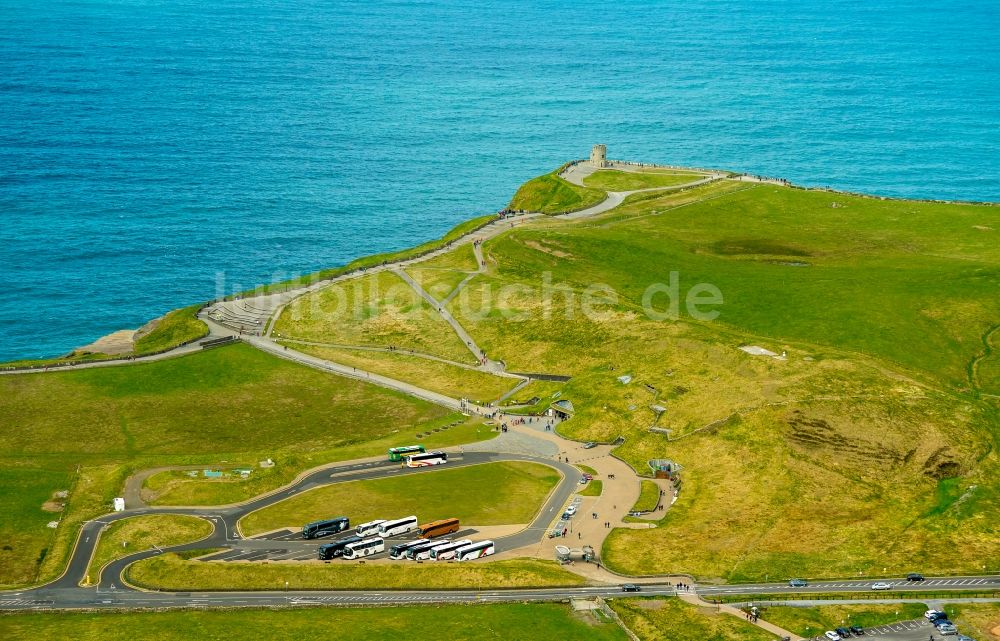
(599, 156)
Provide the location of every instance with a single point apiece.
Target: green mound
(550, 194)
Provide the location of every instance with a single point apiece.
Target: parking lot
(288, 545)
(915, 630)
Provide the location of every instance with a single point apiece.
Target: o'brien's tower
(599, 156)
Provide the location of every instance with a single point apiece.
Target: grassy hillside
(139, 533)
(444, 378)
(176, 328)
(550, 194)
(176, 487)
(82, 431)
(376, 310)
(899, 280)
(978, 620)
(679, 621)
(490, 494)
(516, 621)
(613, 180)
(871, 422)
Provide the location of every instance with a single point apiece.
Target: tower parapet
(599, 156)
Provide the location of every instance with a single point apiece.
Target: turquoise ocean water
(152, 152)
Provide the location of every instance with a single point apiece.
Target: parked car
(589, 445)
(947, 629)
(914, 577)
(570, 511)
(881, 585)
(798, 583)
(941, 622)
(930, 615)
(831, 635)
(630, 587)
(857, 630)
(843, 632)
(962, 637)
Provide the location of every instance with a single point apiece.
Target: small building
(599, 156)
(563, 409)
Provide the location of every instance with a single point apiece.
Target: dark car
(630, 587)
(934, 617)
(857, 630)
(915, 577)
(941, 622)
(844, 633)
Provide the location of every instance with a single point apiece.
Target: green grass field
(437, 282)
(377, 310)
(140, 533)
(550, 194)
(614, 180)
(869, 260)
(444, 378)
(517, 622)
(593, 488)
(814, 621)
(170, 572)
(178, 488)
(649, 497)
(980, 621)
(83, 431)
(489, 494)
(679, 621)
(863, 424)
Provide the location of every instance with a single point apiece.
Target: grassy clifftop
(550, 194)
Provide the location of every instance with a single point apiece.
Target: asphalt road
(65, 593)
(930, 584)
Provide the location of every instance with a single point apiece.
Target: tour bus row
(356, 547)
(380, 527)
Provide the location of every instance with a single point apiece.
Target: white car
(570, 511)
(932, 614)
(832, 636)
(881, 585)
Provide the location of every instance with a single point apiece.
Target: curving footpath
(530, 441)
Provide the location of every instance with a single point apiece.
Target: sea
(157, 153)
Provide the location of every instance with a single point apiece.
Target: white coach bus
(364, 548)
(445, 552)
(398, 551)
(425, 553)
(411, 553)
(430, 458)
(475, 551)
(371, 527)
(398, 526)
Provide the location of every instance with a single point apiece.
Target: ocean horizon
(157, 154)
